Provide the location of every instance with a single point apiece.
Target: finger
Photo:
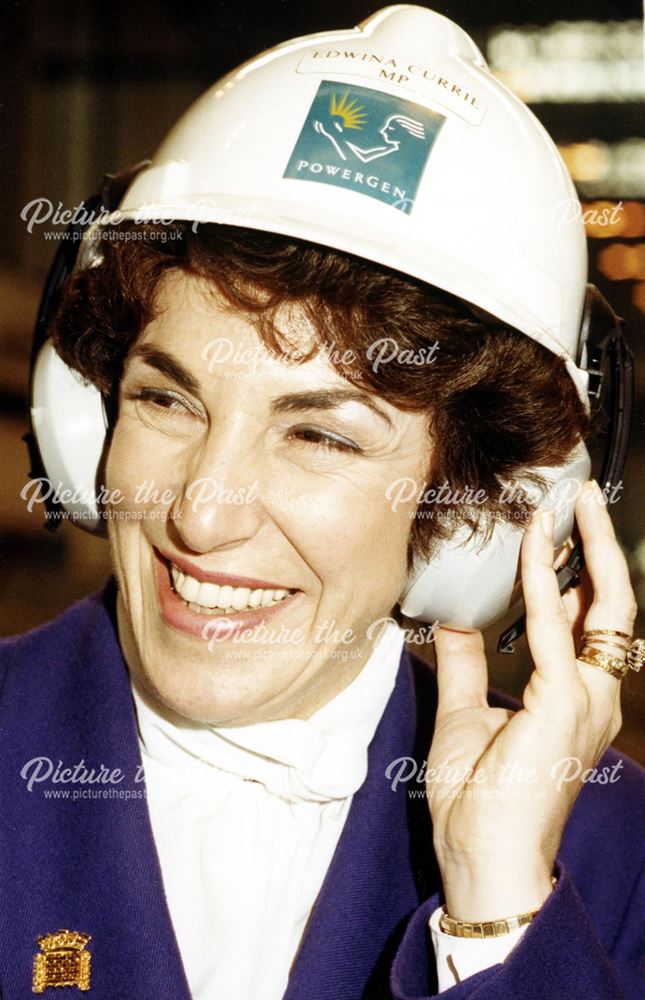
(462, 671)
(547, 625)
(613, 605)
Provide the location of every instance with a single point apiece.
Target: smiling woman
(309, 443)
(243, 679)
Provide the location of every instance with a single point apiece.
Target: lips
(190, 569)
(192, 601)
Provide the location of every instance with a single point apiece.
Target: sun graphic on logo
(352, 113)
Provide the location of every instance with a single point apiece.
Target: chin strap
(605, 355)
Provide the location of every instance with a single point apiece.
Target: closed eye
(323, 439)
(165, 399)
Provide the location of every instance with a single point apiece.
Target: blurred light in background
(621, 262)
(581, 61)
(601, 168)
(609, 219)
(638, 296)
(586, 82)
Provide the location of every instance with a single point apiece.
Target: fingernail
(600, 496)
(547, 522)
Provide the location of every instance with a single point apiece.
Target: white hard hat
(392, 141)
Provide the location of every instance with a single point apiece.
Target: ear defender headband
(467, 584)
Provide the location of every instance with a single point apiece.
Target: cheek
(139, 473)
(124, 469)
(384, 535)
(122, 474)
(347, 531)
(142, 466)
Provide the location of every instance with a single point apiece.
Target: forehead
(196, 325)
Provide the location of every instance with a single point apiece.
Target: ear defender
(470, 584)
(69, 424)
(68, 417)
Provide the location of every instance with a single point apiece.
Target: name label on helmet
(429, 82)
(365, 141)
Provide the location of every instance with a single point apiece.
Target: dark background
(91, 87)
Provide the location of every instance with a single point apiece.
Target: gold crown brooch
(62, 961)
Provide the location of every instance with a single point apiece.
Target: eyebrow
(292, 402)
(326, 399)
(167, 365)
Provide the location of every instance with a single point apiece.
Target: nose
(218, 505)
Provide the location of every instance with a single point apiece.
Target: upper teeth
(208, 596)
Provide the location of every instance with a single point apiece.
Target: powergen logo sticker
(366, 141)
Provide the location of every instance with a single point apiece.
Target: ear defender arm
(605, 355)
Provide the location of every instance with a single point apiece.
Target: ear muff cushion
(69, 425)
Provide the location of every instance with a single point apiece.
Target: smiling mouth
(212, 599)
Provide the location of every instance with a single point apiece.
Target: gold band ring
(589, 641)
(610, 664)
(597, 633)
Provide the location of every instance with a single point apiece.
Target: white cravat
(246, 821)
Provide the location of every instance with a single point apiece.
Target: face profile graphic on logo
(349, 127)
(353, 116)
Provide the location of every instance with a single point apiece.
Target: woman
(236, 674)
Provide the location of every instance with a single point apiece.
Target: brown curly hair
(486, 392)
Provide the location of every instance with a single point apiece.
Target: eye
(323, 440)
(163, 406)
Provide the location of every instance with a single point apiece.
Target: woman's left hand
(500, 789)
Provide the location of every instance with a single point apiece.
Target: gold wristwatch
(486, 928)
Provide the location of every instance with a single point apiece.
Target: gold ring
(634, 648)
(589, 641)
(610, 664)
(597, 633)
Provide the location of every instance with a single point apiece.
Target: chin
(219, 691)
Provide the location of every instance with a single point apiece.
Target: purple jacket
(90, 864)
